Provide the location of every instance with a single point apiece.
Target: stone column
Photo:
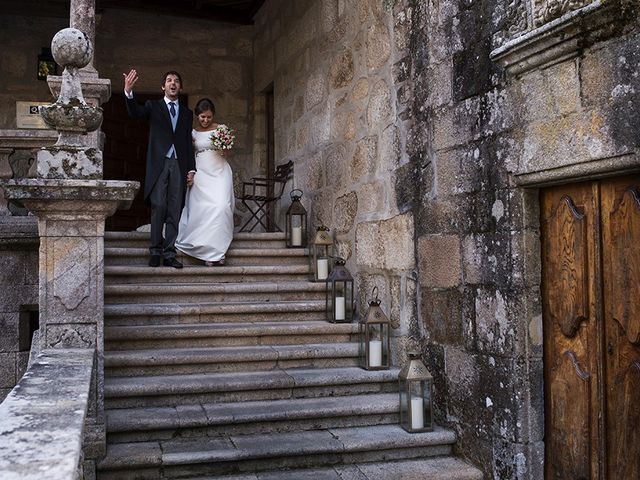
(96, 90)
(82, 15)
(5, 174)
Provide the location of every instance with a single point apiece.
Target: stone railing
(42, 420)
(18, 149)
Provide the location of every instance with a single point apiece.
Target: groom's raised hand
(130, 80)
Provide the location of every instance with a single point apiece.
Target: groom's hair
(203, 105)
(171, 72)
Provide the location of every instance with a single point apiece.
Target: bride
(206, 225)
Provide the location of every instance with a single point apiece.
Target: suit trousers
(166, 203)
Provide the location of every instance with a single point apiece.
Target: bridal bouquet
(222, 138)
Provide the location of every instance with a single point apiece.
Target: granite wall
(482, 141)
(338, 117)
(425, 156)
(18, 297)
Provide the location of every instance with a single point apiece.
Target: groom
(170, 162)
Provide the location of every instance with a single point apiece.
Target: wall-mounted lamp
(46, 64)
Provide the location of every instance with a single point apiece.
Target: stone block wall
(339, 117)
(18, 296)
(481, 142)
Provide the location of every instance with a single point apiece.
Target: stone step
(227, 334)
(209, 292)
(187, 361)
(240, 240)
(234, 256)
(174, 390)
(163, 423)
(119, 274)
(435, 468)
(214, 312)
(180, 458)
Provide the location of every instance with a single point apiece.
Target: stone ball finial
(71, 48)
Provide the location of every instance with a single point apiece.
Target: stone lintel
(42, 419)
(600, 168)
(560, 39)
(22, 138)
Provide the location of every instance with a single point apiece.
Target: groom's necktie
(174, 120)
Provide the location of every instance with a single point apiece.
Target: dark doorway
(125, 156)
(125, 153)
(270, 136)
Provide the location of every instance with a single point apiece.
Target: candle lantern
(296, 222)
(320, 253)
(374, 336)
(339, 294)
(416, 399)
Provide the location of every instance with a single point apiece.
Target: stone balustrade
(42, 419)
(18, 149)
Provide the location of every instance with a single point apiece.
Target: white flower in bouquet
(222, 138)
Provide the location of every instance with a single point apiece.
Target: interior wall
(215, 60)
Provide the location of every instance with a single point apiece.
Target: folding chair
(259, 194)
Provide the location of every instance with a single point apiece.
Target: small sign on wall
(28, 116)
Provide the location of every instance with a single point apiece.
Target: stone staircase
(232, 373)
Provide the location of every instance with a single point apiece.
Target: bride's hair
(203, 105)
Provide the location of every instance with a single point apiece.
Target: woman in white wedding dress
(206, 225)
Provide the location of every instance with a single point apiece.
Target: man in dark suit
(170, 162)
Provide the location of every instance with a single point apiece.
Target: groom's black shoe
(154, 261)
(172, 262)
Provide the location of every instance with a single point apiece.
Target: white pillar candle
(417, 413)
(339, 308)
(323, 268)
(296, 236)
(375, 353)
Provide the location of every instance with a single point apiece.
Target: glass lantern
(296, 222)
(339, 294)
(416, 396)
(320, 254)
(374, 336)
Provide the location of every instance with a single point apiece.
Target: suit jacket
(162, 136)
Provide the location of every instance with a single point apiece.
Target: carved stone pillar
(71, 215)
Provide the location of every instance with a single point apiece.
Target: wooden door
(590, 236)
(621, 268)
